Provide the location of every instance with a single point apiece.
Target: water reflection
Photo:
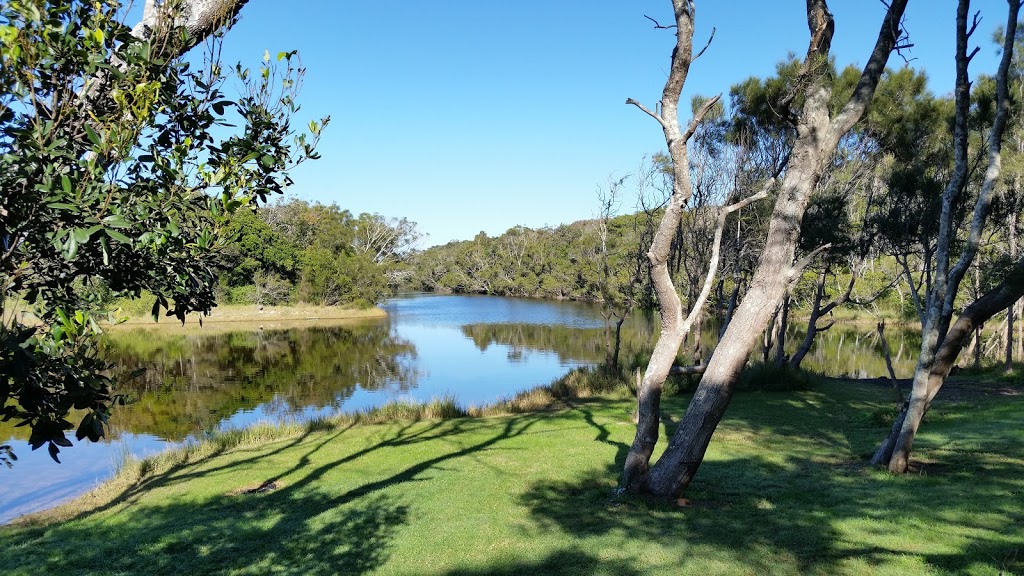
(853, 351)
(196, 383)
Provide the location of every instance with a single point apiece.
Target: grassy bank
(783, 491)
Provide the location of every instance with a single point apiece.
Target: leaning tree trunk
(817, 138)
(976, 314)
(674, 327)
(936, 336)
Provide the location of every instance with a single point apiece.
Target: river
(475, 348)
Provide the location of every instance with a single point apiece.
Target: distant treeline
(563, 262)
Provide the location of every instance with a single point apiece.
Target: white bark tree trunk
(817, 138)
(928, 376)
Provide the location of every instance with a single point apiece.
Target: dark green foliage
(297, 251)
(258, 248)
(111, 192)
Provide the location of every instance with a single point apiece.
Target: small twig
(974, 23)
(657, 25)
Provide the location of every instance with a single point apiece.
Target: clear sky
(469, 116)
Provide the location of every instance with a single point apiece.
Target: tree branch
(658, 26)
(797, 269)
(699, 116)
(888, 38)
(710, 38)
(646, 111)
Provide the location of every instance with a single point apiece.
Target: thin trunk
(812, 323)
(996, 300)
(673, 329)
(977, 329)
(946, 279)
(618, 341)
(1012, 226)
(733, 298)
(888, 362)
(977, 347)
(780, 338)
(768, 339)
(696, 352)
(608, 352)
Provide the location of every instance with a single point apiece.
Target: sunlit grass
(783, 491)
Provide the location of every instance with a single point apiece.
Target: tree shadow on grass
(797, 513)
(569, 561)
(268, 533)
(303, 525)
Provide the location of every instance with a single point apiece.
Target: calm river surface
(475, 348)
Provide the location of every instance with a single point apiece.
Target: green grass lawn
(783, 491)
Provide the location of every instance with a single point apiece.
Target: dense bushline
(559, 263)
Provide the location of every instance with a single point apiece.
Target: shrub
(771, 377)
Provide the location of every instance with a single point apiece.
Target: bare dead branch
(658, 26)
(699, 116)
(974, 24)
(710, 38)
(646, 111)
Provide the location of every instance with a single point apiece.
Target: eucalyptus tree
(941, 342)
(819, 129)
(118, 166)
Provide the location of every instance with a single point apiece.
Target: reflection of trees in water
(856, 351)
(569, 344)
(193, 382)
(844, 350)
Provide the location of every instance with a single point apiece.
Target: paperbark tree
(818, 134)
(940, 345)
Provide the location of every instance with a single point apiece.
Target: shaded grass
(782, 491)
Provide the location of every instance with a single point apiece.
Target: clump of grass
(579, 383)
(442, 408)
(771, 377)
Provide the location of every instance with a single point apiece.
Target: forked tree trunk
(817, 137)
(939, 345)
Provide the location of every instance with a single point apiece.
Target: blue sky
(468, 116)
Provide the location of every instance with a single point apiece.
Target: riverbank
(239, 317)
(783, 490)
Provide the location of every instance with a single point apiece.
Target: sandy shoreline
(251, 317)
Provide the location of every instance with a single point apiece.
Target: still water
(474, 348)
